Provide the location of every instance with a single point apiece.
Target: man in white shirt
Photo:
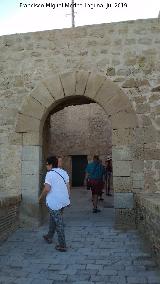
(57, 192)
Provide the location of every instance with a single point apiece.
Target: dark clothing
(108, 168)
(108, 174)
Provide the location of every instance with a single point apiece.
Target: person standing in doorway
(102, 181)
(108, 175)
(94, 172)
(57, 192)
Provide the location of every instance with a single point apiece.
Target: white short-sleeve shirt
(58, 196)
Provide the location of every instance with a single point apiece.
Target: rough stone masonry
(117, 66)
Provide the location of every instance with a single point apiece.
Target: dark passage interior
(79, 163)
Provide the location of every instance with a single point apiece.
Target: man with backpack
(94, 175)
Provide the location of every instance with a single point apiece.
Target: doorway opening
(79, 163)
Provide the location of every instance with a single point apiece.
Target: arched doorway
(61, 90)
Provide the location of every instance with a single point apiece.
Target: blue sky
(16, 19)
(7, 7)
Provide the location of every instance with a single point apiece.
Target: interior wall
(78, 130)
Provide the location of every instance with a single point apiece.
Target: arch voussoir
(81, 82)
(94, 83)
(117, 104)
(42, 95)
(107, 92)
(33, 108)
(54, 87)
(68, 81)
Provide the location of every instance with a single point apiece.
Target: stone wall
(37, 71)
(126, 52)
(80, 130)
(147, 219)
(9, 215)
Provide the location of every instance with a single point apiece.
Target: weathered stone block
(139, 135)
(30, 168)
(123, 72)
(54, 86)
(154, 97)
(123, 136)
(146, 121)
(81, 82)
(142, 108)
(68, 81)
(123, 200)
(149, 182)
(157, 165)
(33, 108)
(108, 91)
(27, 124)
(94, 83)
(7, 116)
(122, 184)
(118, 103)
(31, 153)
(138, 166)
(31, 138)
(30, 183)
(149, 134)
(152, 154)
(138, 176)
(140, 99)
(138, 184)
(122, 168)
(124, 120)
(4, 138)
(41, 94)
(130, 83)
(134, 83)
(123, 153)
(138, 152)
(15, 139)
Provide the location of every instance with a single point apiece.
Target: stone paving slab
(98, 253)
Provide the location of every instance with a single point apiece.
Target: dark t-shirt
(95, 170)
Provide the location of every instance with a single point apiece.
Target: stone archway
(56, 91)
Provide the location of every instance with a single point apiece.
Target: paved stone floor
(98, 252)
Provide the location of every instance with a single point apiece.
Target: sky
(20, 17)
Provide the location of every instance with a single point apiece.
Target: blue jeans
(56, 225)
